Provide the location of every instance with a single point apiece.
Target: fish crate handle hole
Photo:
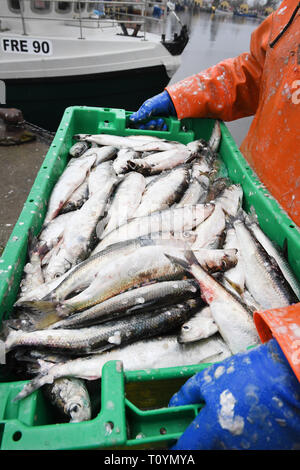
(17, 436)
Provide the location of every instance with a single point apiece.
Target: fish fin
(191, 258)
(251, 217)
(178, 261)
(148, 304)
(215, 137)
(185, 264)
(105, 348)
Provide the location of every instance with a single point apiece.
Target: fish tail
(32, 246)
(45, 313)
(7, 327)
(33, 385)
(215, 137)
(39, 306)
(251, 216)
(240, 216)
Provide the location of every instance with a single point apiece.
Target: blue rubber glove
(156, 106)
(252, 401)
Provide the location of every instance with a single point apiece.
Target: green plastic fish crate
(130, 407)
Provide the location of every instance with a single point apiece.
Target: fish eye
(74, 408)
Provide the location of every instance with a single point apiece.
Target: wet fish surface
(233, 319)
(145, 354)
(145, 257)
(263, 277)
(71, 397)
(163, 191)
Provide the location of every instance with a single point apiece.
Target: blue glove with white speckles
(158, 105)
(252, 401)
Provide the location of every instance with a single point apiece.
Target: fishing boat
(243, 10)
(247, 15)
(223, 9)
(56, 54)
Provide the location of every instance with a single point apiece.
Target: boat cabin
(41, 7)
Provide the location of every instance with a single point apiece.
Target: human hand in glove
(252, 401)
(158, 105)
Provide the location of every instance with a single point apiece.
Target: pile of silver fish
(145, 256)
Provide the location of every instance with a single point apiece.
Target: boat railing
(127, 14)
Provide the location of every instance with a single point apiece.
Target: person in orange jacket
(252, 400)
(264, 83)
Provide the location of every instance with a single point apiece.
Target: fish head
(79, 410)
(186, 333)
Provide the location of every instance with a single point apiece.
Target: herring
(134, 300)
(209, 231)
(145, 354)
(146, 264)
(274, 252)
(72, 177)
(263, 277)
(99, 176)
(78, 149)
(233, 318)
(168, 221)
(120, 163)
(161, 161)
(200, 325)
(102, 154)
(163, 191)
(77, 198)
(71, 397)
(231, 199)
(125, 202)
(196, 191)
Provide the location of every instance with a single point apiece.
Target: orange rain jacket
(264, 83)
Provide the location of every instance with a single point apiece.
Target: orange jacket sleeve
(284, 325)
(229, 90)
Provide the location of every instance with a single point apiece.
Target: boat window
(14, 5)
(40, 6)
(79, 6)
(63, 7)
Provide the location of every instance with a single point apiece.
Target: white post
(22, 17)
